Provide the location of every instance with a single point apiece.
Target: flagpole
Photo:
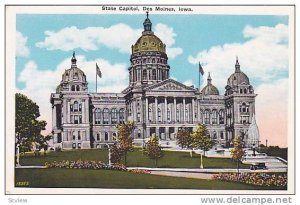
(199, 77)
(96, 79)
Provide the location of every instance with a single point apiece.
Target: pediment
(169, 85)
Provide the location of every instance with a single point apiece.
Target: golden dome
(148, 42)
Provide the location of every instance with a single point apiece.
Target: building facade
(155, 103)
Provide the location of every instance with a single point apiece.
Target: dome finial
(147, 25)
(208, 78)
(73, 60)
(237, 65)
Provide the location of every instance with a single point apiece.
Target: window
(207, 117)
(74, 145)
(144, 74)
(77, 88)
(168, 114)
(114, 136)
(153, 74)
(74, 136)
(244, 108)
(122, 115)
(106, 136)
(139, 134)
(79, 145)
(153, 60)
(79, 137)
(80, 119)
(98, 137)
(159, 114)
(71, 108)
(186, 114)
(114, 116)
(214, 117)
(73, 88)
(76, 121)
(97, 116)
(221, 117)
(76, 76)
(105, 116)
(80, 107)
(177, 114)
(150, 114)
(75, 107)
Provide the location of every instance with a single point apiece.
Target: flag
(201, 69)
(98, 71)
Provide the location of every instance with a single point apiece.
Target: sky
(45, 44)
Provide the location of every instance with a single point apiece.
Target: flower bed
(79, 164)
(259, 179)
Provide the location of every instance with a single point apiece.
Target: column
(147, 111)
(166, 110)
(184, 110)
(67, 115)
(83, 112)
(54, 116)
(193, 110)
(199, 111)
(174, 110)
(156, 118)
(134, 110)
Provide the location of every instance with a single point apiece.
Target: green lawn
(135, 158)
(85, 178)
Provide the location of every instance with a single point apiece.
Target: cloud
(263, 56)
(188, 83)
(271, 112)
(39, 83)
(119, 36)
(21, 49)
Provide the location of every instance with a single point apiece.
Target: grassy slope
(78, 178)
(136, 158)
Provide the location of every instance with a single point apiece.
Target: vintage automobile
(256, 166)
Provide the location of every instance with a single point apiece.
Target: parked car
(256, 166)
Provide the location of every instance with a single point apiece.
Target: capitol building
(155, 103)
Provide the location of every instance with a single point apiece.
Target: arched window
(105, 116)
(153, 74)
(114, 116)
(139, 134)
(243, 107)
(245, 90)
(159, 114)
(214, 117)
(77, 88)
(106, 136)
(75, 106)
(122, 115)
(144, 74)
(79, 136)
(221, 117)
(150, 114)
(73, 88)
(168, 114)
(98, 137)
(97, 116)
(207, 117)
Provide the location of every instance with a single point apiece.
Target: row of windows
(148, 60)
(75, 88)
(151, 75)
(109, 115)
(106, 136)
(76, 107)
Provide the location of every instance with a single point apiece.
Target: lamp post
(253, 147)
(201, 165)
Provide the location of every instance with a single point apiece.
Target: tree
(184, 139)
(153, 149)
(115, 153)
(42, 142)
(237, 152)
(201, 139)
(27, 127)
(125, 139)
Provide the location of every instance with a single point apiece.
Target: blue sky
(46, 43)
